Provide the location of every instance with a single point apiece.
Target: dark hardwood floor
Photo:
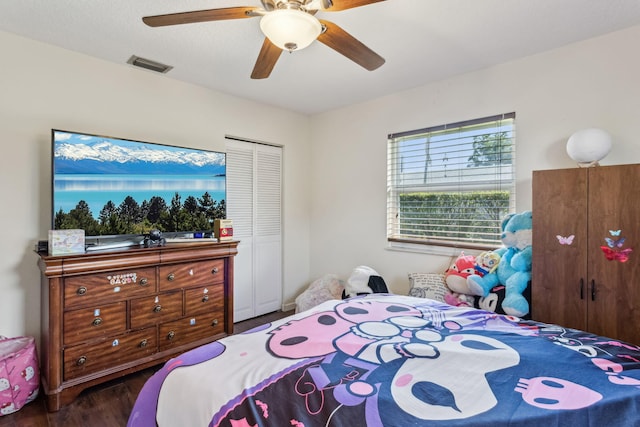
(104, 405)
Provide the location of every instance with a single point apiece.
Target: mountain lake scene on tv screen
(112, 186)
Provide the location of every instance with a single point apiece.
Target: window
(451, 185)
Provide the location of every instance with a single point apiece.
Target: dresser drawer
(113, 286)
(88, 323)
(179, 276)
(204, 299)
(89, 358)
(189, 329)
(154, 309)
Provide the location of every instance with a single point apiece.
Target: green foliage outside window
(491, 149)
(473, 217)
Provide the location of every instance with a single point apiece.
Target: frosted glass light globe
(588, 146)
(290, 29)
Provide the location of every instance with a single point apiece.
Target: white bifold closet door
(254, 204)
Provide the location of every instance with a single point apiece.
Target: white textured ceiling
(421, 40)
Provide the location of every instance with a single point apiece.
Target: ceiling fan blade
(339, 5)
(342, 42)
(200, 16)
(267, 59)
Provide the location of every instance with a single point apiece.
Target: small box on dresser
(108, 314)
(63, 242)
(223, 229)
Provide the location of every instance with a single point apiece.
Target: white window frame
(417, 163)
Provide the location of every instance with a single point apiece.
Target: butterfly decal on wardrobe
(619, 255)
(613, 251)
(615, 243)
(565, 240)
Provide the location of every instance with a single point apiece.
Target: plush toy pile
(496, 280)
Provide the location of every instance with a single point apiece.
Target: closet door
(559, 266)
(254, 200)
(614, 223)
(240, 196)
(268, 230)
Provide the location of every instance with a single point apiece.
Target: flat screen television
(118, 190)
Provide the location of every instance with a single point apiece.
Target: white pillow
(428, 285)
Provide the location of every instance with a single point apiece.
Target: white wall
(43, 87)
(334, 209)
(589, 84)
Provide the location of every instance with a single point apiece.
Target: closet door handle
(581, 288)
(593, 290)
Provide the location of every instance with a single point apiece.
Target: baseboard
(288, 306)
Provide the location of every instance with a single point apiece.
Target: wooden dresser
(108, 314)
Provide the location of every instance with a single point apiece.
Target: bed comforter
(387, 360)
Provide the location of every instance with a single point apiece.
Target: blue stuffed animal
(514, 268)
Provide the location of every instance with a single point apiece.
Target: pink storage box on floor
(19, 374)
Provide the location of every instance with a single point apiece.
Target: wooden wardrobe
(586, 249)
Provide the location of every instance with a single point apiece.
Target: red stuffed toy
(456, 276)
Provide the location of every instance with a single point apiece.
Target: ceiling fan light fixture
(290, 29)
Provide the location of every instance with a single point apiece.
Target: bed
(391, 360)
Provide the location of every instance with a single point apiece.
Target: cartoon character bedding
(386, 360)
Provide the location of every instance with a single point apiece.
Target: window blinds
(452, 184)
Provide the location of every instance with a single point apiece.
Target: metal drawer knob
(81, 361)
(157, 308)
(97, 321)
(215, 322)
(144, 281)
(81, 290)
(171, 335)
(143, 343)
(205, 298)
(171, 277)
(215, 270)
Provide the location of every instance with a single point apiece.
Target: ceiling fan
(287, 25)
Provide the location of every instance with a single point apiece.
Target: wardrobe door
(614, 266)
(559, 264)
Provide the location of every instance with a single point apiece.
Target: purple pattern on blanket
(388, 361)
(146, 406)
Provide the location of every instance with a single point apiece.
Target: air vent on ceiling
(149, 64)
